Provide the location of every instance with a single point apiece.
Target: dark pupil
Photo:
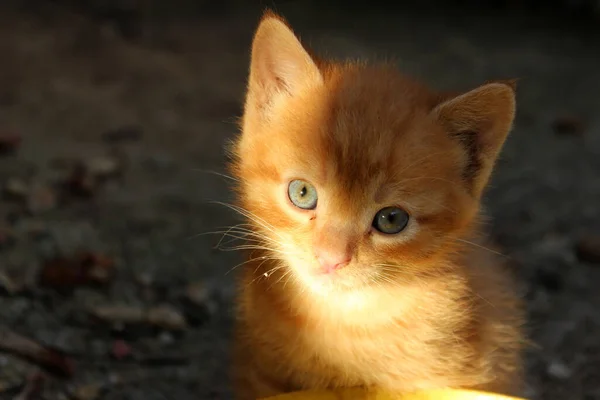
(390, 216)
(303, 191)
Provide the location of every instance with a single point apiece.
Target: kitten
(362, 192)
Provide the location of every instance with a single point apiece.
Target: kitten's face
(356, 183)
(351, 174)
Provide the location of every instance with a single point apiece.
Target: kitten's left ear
(279, 63)
(481, 120)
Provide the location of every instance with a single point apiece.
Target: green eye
(390, 220)
(302, 194)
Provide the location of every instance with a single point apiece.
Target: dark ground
(173, 86)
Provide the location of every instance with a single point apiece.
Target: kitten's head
(354, 174)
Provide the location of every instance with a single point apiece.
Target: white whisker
(208, 171)
(481, 247)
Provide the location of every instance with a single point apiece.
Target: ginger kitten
(362, 192)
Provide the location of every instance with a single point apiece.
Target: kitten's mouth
(326, 272)
(341, 278)
(311, 274)
(332, 272)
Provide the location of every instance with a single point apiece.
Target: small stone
(163, 317)
(86, 268)
(123, 134)
(167, 317)
(104, 167)
(121, 349)
(569, 125)
(10, 285)
(52, 359)
(87, 392)
(41, 198)
(559, 370)
(197, 293)
(587, 249)
(166, 339)
(148, 292)
(15, 189)
(80, 183)
(198, 303)
(145, 279)
(119, 314)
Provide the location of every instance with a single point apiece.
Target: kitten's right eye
(390, 220)
(302, 194)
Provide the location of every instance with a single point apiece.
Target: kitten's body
(425, 308)
(433, 333)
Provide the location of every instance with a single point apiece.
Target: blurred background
(113, 118)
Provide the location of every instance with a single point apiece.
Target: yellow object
(361, 394)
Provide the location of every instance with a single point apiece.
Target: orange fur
(425, 308)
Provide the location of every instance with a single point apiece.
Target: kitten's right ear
(481, 120)
(279, 64)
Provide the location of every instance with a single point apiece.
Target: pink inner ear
(279, 61)
(333, 249)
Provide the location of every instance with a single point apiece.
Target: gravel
(112, 146)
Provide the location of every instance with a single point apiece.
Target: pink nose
(332, 260)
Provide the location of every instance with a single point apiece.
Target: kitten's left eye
(302, 194)
(390, 220)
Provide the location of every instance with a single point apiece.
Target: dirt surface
(107, 141)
